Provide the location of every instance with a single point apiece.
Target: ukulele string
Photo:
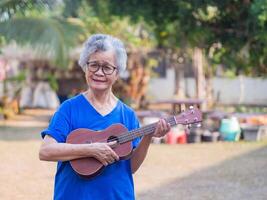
(124, 137)
(127, 136)
(147, 129)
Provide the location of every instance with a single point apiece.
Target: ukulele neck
(145, 130)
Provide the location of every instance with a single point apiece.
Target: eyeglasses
(94, 66)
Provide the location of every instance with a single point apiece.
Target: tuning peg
(199, 125)
(189, 126)
(196, 125)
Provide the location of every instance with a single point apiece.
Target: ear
(85, 74)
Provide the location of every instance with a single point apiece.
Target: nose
(99, 72)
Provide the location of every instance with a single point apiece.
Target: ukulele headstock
(189, 117)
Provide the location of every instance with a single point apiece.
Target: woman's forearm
(51, 150)
(64, 151)
(140, 153)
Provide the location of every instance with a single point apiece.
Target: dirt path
(221, 171)
(188, 172)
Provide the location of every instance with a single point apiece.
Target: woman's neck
(103, 102)
(100, 97)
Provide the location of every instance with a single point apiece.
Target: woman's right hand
(104, 153)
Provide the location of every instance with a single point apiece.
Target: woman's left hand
(162, 128)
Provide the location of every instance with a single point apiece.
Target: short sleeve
(59, 126)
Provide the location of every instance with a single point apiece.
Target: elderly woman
(102, 59)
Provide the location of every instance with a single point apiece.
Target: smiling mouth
(101, 81)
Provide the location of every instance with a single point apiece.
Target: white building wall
(238, 90)
(226, 90)
(161, 88)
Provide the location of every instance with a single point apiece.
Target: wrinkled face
(101, 71)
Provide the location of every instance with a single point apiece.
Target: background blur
(210, 54)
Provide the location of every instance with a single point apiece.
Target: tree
(231, 33)
(51, 28)
(39, 25)
(132, 88)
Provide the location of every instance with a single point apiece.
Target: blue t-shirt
(115, 181)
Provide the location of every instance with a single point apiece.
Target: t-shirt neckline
(89, 103)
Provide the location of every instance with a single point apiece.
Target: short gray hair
(103, 42)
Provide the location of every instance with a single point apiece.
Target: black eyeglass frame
(101, 65)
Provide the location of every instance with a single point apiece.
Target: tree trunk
(179, 81)
(209, 88)
(199, 75)
(134, 89)
(208, 84)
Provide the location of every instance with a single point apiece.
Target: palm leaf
(50, 37)
(8, 8)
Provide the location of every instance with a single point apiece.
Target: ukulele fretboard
(146, 130)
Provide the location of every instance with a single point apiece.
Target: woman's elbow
(134, 166)
(44, 154)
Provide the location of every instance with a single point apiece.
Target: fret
(146, 130)
(88, 168)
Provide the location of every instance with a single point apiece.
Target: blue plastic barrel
(230, 129)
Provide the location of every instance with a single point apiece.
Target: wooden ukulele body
(90, 167)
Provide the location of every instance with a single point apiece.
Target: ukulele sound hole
(113, 138)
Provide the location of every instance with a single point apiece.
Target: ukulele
(89, 167)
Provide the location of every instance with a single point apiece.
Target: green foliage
(11, 8)
(96, 18)
(259, 12)
(71, 8)
(50, 37)
(19, 78)
(123, 29)
(2, 42)
(240, 27)
(52, 81)
(17, 81)
(36, 24)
